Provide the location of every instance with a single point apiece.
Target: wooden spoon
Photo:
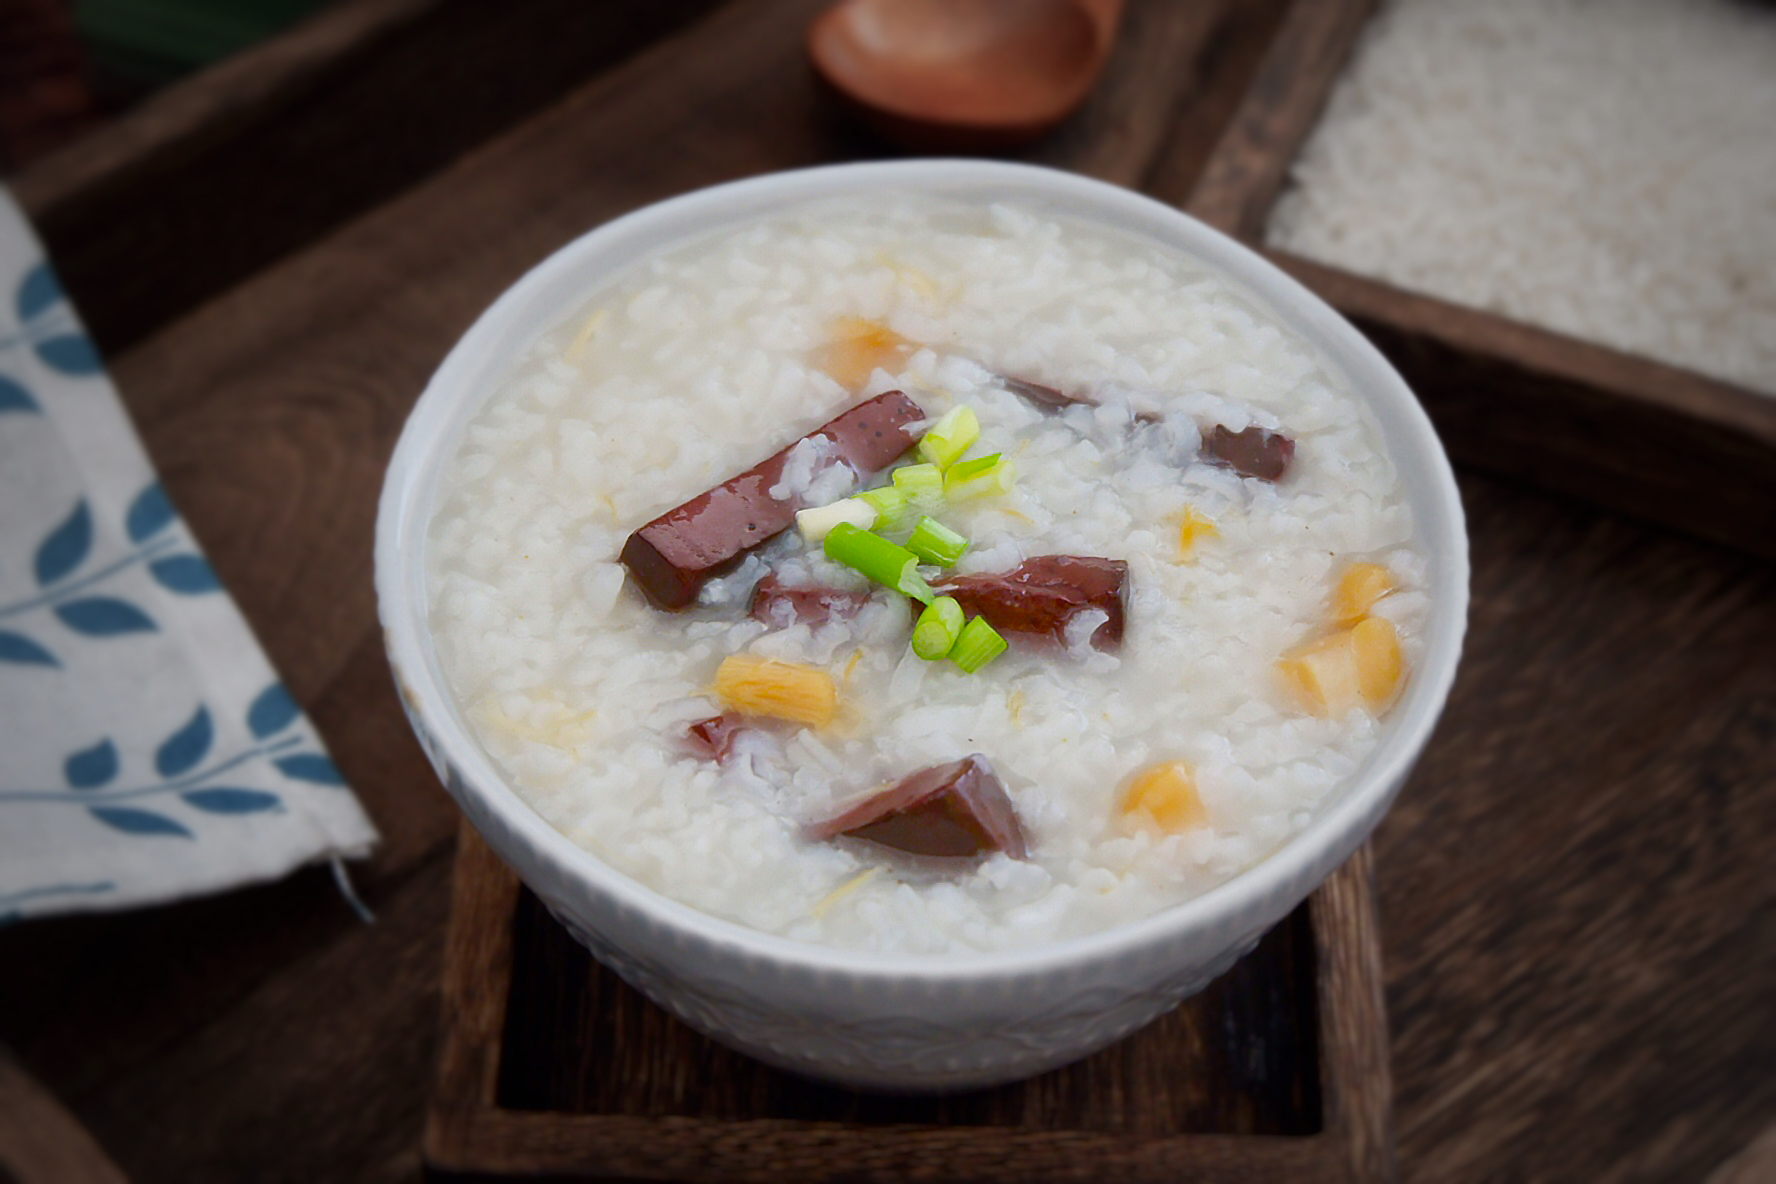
(961, 75)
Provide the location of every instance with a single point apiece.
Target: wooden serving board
(1625, 432)
(552, 1066)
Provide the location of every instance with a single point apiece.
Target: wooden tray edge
(1250, 162)
(1662, 444)
(467, 1133)
(477, 979)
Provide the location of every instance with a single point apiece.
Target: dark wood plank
(1353, 1033)
(40, 1142)
(176, 125)
(1754, 1165)
(1624, 432)
(477, 992)
(1116, 135)
(1251, 161)
(45, 96)
(765, 1153)
(1578, 914)
(262, 1035)
(1214, 89)
(222, 175)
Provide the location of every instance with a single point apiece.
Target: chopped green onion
(891, 507)
(880, 560)
(816, 523)
(923, 486)
(980, 476)
(951, 436)
(938, 627)
(979, 644)
(933, 542)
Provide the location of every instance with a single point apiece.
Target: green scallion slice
(933, 542)
(979, 644)
(882, 561)
(938, 627)
(893, 509)
(923, 486)
(951, 436)
(980, 476)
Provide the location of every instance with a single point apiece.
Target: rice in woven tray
(1604, 168)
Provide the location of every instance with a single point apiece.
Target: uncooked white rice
(697, 366)
(1604, 168)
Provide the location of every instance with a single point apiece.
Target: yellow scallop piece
(1375, 649)
(1164, 796)
(1358, 589)
(1356, 667)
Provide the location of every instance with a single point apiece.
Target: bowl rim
(426, 441)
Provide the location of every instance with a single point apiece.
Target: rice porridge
(1187, 587)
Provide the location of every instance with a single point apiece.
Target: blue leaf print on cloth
(71, 353)
(149, 514)
(187, 746)
(91, 767)
(233, 801)
(310, 766)
(14, 397)
(16, 647)
(66, 547)
(271, 712)
(37, 291)
(132, 821)
(188, 575)
(104, 616)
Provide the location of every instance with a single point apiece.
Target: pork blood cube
(1037, 395)
(1040, 595)
(1250, 452)
(672, 557)
(782, 605)
(957, 810)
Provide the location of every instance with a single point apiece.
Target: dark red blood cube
(777, 603)
(1250, 452)
(954, 811)
(1045, 397)
(1040, 595)
(672, 557)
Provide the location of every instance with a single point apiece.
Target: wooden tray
(552, 1067)
(1623, 431)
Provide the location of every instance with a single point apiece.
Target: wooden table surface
(1576, 888)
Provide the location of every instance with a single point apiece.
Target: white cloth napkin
(147, 749)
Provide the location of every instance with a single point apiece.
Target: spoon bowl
(963, 75)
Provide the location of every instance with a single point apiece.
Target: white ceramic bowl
(897, 1022)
